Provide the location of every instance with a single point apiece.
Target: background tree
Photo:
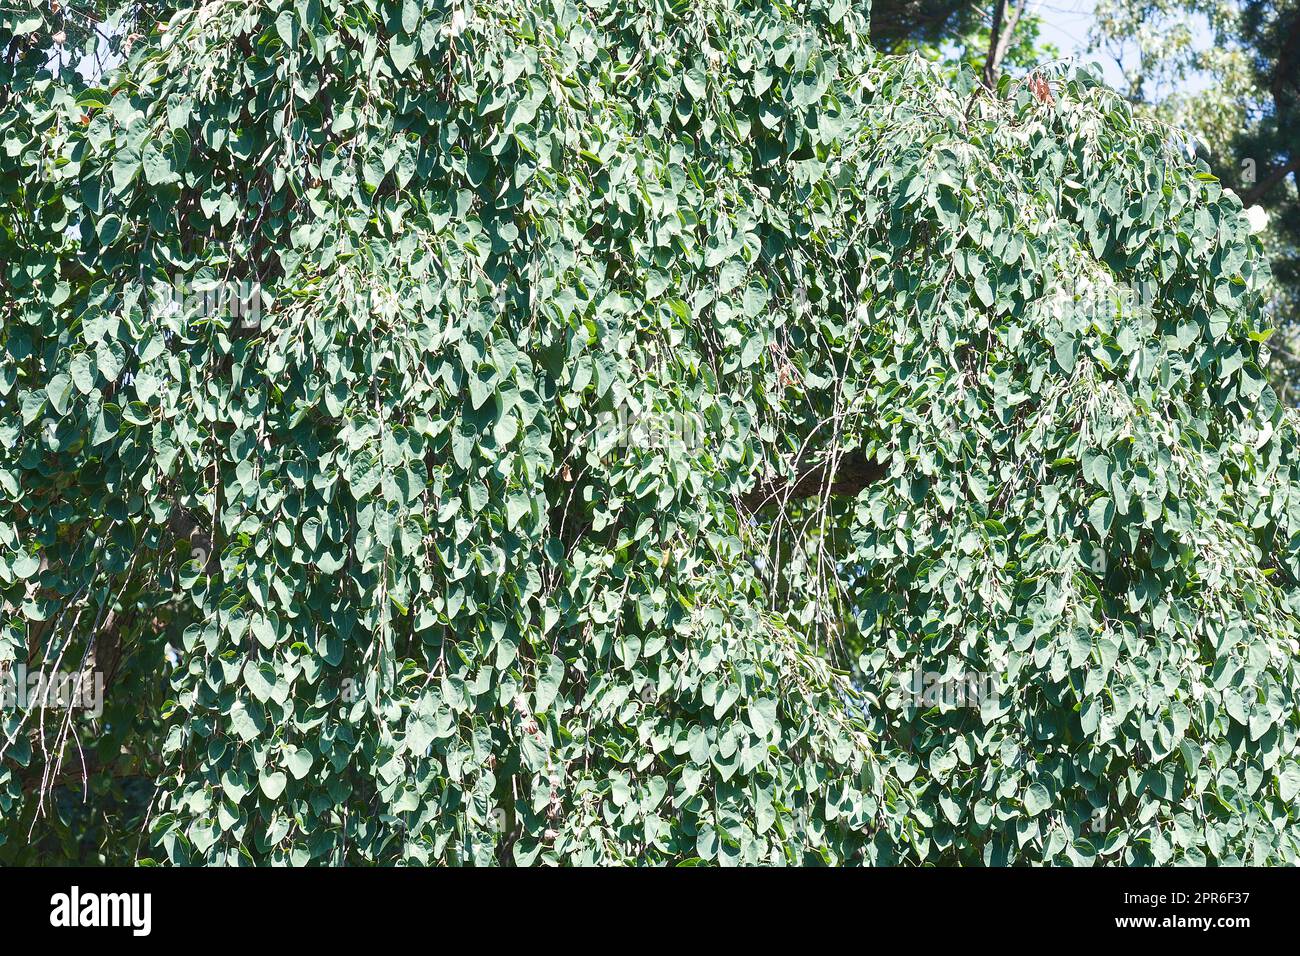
(1235, 59)
(1267, 147)
(985, 37)
(897, 24)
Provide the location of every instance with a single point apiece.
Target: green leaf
(59, 391)
(260, 680)
(1037, 799)
(402, 52)
(1288, 782)
(110, 357)
(287, 28)
(299, 763)
(548, 684)
(763, 716)
(272, 784)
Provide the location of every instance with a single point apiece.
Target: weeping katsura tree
(595, 431)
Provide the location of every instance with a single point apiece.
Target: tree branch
(853, 472)
(1253, 195)
(1000, 38)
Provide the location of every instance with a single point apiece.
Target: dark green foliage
(894, 22)
(452, 552)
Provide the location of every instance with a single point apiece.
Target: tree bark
(852, 472)
(1000, 38)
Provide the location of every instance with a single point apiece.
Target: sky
(1066, 24)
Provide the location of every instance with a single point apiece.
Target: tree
(985, 37)
(522, 433)
(899, 23)
(1271, 31)
(1269, 147)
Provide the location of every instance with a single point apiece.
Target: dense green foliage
(378, 580)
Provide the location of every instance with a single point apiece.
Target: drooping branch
(87, 767)
(852, 472)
